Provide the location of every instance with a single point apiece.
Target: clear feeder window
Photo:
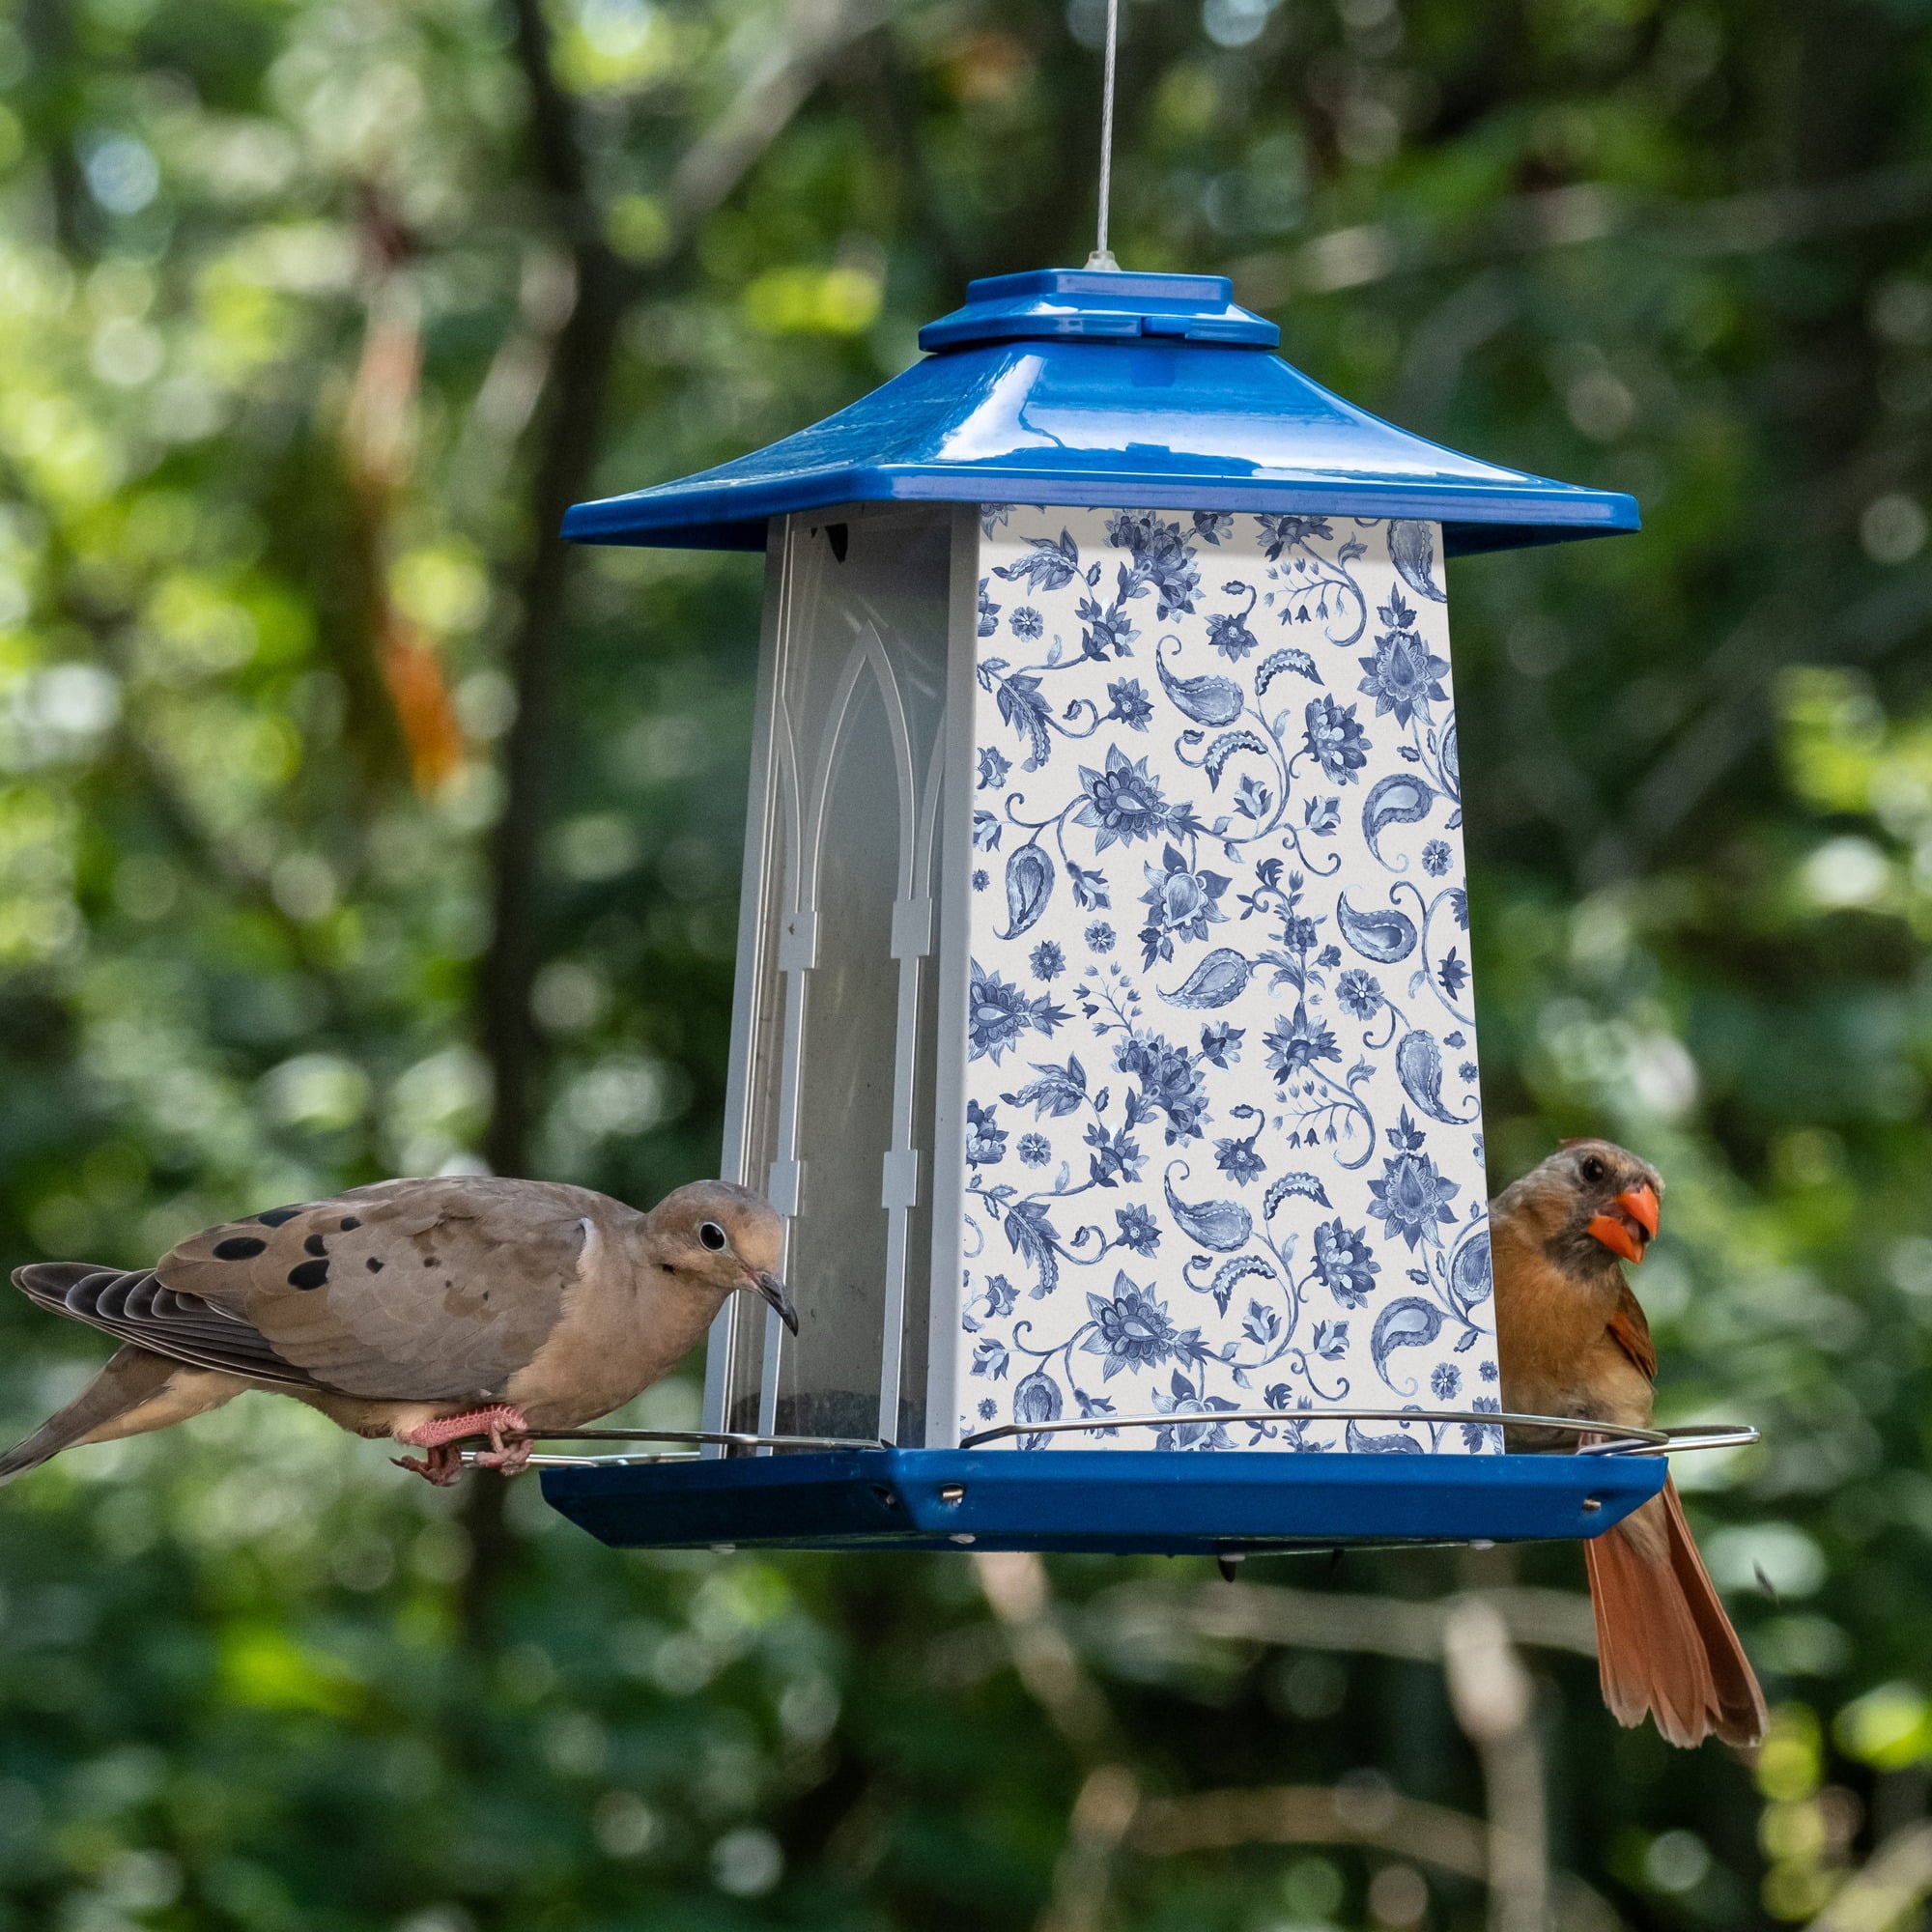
(837, 985)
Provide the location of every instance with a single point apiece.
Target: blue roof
(1084, 386)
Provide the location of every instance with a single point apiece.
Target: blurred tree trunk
(53, 105)
(567, 417)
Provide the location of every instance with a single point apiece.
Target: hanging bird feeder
(1103, 1022)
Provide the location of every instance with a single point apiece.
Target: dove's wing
(406, 1291)
(409, 1290)
(132, 1306)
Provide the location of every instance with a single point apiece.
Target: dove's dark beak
(774, 1291)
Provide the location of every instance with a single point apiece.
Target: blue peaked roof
(1084, 386)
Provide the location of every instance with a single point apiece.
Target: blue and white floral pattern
(1224, 1140)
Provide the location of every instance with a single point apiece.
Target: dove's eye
(1593, 1169)
(711, 1235)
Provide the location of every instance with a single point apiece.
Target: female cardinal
(1573, 1340)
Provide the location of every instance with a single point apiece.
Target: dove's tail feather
(1665, 1647)
(132, 1378)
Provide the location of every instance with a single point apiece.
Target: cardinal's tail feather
(131, 1376)
(1665, 1647)
(1650, 1657)
(1740, 1717)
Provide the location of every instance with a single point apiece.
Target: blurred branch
(1473, 1637)
(1370, 1815)
(1590, 211)
(137, 757)
(1740, 675)
(884, 91)
(1442, 341)
(1103, 1811)
(1894, 1881)
(517, 379)
(1495, 1702)
(1017, 1589)
(1365, 1815)
(721, 157)
(1735, 720)
(1136, 1613)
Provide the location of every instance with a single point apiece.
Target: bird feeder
(1103, 1027)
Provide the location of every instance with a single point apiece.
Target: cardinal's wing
(1632, 1334)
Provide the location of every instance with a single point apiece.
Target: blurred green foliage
(311, 313)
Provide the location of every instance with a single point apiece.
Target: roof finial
(1103, 256)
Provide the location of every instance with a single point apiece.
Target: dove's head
(1593, 1200)
(724, 1238)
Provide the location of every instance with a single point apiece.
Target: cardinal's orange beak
(1627, 1232)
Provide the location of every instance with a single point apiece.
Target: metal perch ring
(1621, 1439)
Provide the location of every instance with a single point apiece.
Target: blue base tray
(1118, 1501)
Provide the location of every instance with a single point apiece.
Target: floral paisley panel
(1224, 1132)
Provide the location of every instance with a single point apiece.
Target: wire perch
(1619, 1439)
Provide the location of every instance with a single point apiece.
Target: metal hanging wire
(1103, 256)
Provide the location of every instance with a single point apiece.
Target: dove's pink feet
(444, 1460)
(441, 1465)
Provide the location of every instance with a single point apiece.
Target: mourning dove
(426, 1311)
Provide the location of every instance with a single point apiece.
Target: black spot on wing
(239, 1248)
(308, 1274)
(373, 1265)
(276, 1216)
(431, 1261)
(348, 1223)
(315, 1245)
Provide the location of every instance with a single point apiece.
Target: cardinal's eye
(1593, 1169)
(712, 1235)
